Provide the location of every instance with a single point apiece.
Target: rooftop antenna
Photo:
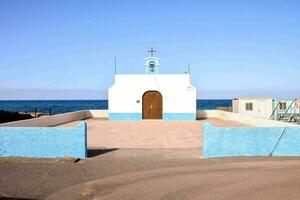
(189, 68)
(115, 64)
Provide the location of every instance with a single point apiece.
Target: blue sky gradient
(57, 49)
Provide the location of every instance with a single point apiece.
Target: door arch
(152, 105)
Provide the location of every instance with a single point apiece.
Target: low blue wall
(44, 142)
(139, 116)
(179, 116)
(232, 141)
(125, 116)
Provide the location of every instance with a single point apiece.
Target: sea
(63, 106)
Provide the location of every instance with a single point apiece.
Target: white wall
(245, 119)
(80, 115)
(179, 96)
(235, 105)
(99, 113)
(54, 120)
(262, 107)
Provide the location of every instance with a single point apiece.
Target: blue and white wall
(179, 96)
(250, 141)
(44, 142)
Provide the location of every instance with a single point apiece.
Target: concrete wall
(53, 120)
(44, 142)
(229, 142)
(235, 106)
(80, 115)
(99, 113)
(262, 107)
(246, 119)
(125, 96)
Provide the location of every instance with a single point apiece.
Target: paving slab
(149, 134)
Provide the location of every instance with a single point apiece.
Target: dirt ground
(150, 174)
(149, 160)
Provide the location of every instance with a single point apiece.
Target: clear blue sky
(54, 49)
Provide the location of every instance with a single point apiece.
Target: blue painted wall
(179, 116)
(289, 144)
(231, 141)
(139, 116)
(44, 142)
(125, 116)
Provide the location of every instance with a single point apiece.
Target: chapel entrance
(152, 105)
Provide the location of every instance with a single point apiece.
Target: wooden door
(152, 105)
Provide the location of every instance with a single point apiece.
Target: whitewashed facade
(127, 95)
(258, 107)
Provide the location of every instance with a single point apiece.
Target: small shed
(258, 107)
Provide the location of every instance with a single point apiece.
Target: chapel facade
(152, 95)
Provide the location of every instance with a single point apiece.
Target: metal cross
(152, 51)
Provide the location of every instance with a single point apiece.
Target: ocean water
(63, 106)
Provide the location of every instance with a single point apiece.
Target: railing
(274, 110)
(280, 137)
(288, 115)
(286, 111)
(35, 112)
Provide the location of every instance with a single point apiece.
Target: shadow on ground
(11, 198)
(97, 152)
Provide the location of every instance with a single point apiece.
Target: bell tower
(152, 63)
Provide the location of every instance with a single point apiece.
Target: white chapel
(152, 95)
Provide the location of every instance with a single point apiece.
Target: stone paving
(152, 134)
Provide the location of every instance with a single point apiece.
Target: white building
(258, 107)
(152, 95)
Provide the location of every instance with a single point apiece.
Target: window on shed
(282, 105)
(249, 106)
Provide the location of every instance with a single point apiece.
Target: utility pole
(115, 64)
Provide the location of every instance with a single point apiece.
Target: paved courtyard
(152, 134)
